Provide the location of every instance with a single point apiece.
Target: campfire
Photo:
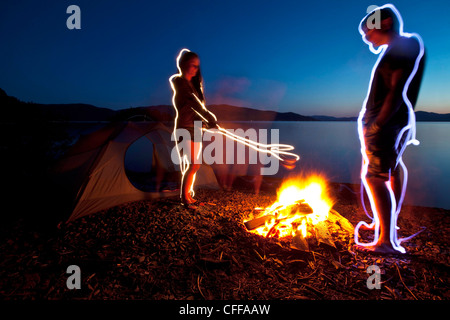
(302, 215)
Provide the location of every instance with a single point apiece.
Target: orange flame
(287, 214)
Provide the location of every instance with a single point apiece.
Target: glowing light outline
(183, 160)
(410, 139)
(273, 149)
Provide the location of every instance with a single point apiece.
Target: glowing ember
(300, 203)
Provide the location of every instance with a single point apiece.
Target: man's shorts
(381, 152)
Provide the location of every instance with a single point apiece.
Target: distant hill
(431, 116)
(421, 116)
(222, 112)
(160, 113)
(232, 113)
(12, 109)
(76, 112)
(329, 118)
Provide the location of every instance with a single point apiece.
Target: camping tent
(91, 176)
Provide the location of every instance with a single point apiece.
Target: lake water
(333, 148)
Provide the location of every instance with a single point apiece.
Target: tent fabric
(93, 171)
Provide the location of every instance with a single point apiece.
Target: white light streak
(408, 132)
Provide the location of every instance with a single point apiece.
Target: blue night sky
(268, 54)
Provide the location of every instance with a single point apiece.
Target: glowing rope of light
(410, 138)
(273, 149)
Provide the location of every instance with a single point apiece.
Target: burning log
(338, 219)
(302, 208)
(258, 222)
(298, 207)
(323, 235)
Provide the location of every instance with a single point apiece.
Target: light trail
(273, 149)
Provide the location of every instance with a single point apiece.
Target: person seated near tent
(189, 103)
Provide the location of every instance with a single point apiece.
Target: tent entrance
(146, 171)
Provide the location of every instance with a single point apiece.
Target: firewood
(258, 222)
(302, 207)
(322, 234)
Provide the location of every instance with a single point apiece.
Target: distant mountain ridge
(421, 116)
(432, 117)
(330, 118)
(232, 113)
(12, 109)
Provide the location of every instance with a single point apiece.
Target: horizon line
(419, 109)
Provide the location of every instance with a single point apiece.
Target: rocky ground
(158, 250)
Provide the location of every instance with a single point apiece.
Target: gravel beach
(159, 250)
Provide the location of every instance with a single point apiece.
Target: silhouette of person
(387, 123)
(189, 103)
